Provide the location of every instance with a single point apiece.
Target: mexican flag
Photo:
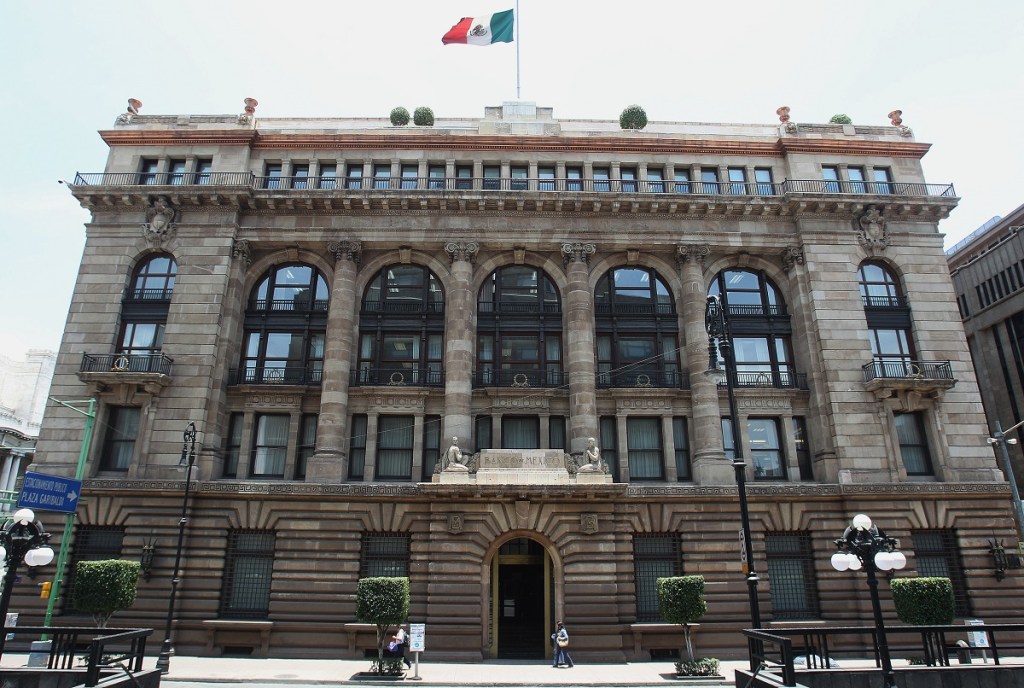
(494, 28)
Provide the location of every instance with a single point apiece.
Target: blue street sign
(49, 492)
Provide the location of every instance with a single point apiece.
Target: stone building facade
(23, 387)
(988, 278)
(330, 301)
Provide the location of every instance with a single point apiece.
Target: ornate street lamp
(717, 325)
(21, 539)
(999, 437)
(187, 461)
(864, 545)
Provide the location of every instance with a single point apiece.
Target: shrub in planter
(383, 602)
(105, 586)
(633, 117)
(423, 117)
(681, 601)
(840, 119)
(923, 601)
(399, 117)
(699, 667)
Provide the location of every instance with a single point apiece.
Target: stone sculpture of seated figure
(593, 455)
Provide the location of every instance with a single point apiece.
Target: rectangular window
(357, 448)
(142, 340)
(545, 178)
(204, 170)
(883, 180)
(492, 177)
(937, 555)
(431, 445)
(765, 449)
(601, 179)
(272, 176)
(574, 179)
(655, 180)
(520, 432)
(328, 176)
(233, 445)
(300, 176)
(682, 179)
(410, 176)
(148, 172)
(856, 175)
(728, 439)
(483, 428)
(248, 570)
(794, 588)
(708, 180)
(435, 177)
(520, 178)
(737, 181)
(556, 432)
(629, 177)
(119, 439)
(384, 555)
(354, 176)
(681, 440)
(913, 443)
(803, 448)
(394, 447)
(643, 442)
(382, 176)
(464, 177)
(177, 172)
(763, 181)
(271, 446)
(831, 176)
(92, 543)
(609, 443)
(655, 555)
(307, 443)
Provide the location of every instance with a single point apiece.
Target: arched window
(889, 322)
(637, 330)
(760, 328)
(401, 329)
(144, 313)
(285, 327)
(878, 287)
(519, 329)
(153, 279)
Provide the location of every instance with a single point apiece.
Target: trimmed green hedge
(840, 119)
(923, 601)
(633, 117)
(383, 602)
(423, 117)
(681, 601)
(399, 116)
(105, 586)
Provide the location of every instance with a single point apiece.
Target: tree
(681, 601)
(104, 587)
(633, 117)
(383, 602)
(399, 116)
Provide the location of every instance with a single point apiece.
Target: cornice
(520, 144)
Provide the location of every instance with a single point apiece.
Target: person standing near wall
(560, 640)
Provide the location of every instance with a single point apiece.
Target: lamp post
(21, 539)
(864, 545)
(187, 461)
(717, 326)
(999, 437)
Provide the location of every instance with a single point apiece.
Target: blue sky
(953, 68)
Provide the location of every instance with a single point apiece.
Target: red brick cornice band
(524, 144)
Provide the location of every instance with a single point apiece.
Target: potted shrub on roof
(384, 602)
(925, 602)
(399, 117)
(840, 119)
(633, 117)
(681, 601)
(423, 117)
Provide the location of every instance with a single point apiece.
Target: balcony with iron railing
(399, 376)
(149, 295)
(885, 375)
(634, 308)
(519, 378)
(290, 305)
(411, 307)
(151, 369)
(309, 375)
(518, 308)
(644, 377)
(887, 302)
(778, 379)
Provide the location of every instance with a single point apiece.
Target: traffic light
(44, 590)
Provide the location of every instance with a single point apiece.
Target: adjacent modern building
(988, 277)
(331, 301)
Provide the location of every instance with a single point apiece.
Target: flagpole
(517, 49)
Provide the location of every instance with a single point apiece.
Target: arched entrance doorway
(522, 601)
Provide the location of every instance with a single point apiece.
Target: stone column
(459, 345)
(579, 345)
(710, 466)
(328, 463)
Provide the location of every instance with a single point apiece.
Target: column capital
(791, 257)
(345, 249)
(461, 250)
(577, 252)
(694, 252)
(242, 250)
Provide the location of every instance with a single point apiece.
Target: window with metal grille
(92, 543)
(384, 554)
(937, 555)
(794, 588)
(655, 555)
(248, 567)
